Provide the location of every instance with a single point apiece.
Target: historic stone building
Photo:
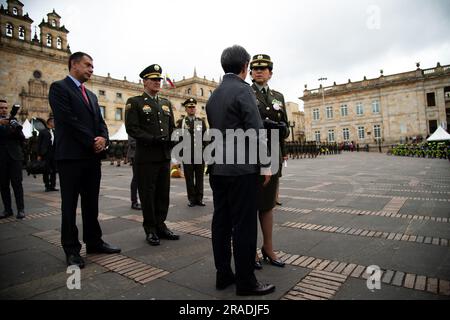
(388, 109)
(296, 122)
(28, 65)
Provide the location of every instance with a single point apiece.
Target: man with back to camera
(81, 137)
(46, 152)
(233, 106)
(11, 158)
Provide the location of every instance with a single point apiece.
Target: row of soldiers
(118, 151)
(440, 150)
(311, 149)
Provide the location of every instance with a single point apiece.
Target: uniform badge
(276, 104)
(166, 108)
(147, 109)
(157, 68)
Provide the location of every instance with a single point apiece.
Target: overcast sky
(337, 39)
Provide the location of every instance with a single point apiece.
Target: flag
(169, 81)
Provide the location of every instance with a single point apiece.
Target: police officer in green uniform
(194, 171)
(149, 120)
(273, 113)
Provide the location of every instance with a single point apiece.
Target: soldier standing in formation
(271, 107)
(149, 119)
(193, 172)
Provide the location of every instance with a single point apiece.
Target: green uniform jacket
(268, 110)
(147, 120)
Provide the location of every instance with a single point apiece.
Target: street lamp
(292, 126)
(323, 91)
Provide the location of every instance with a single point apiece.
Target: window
(21, 33)
(119, 95)
(210, 93)
(433, 126)
(102, 111)
(376, 106)
(119, 114)
(331, 135)
(344, 110)
(431, 99)
(346, 134)
(53, 23)
(189, 91)
(15, 11)
(316, 114)
(201, 92)
(359, 109)
(361, 133)
(330, 112)
(59, 43)
(101, 92)
(317, 136)
(49, 40)
(377, 131)
(9, 30)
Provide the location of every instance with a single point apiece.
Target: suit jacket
(77, 124)
(233, 106)
(268, 106)
(45, 147)
(11, 142)
(147, 120)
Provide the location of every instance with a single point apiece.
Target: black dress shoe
(20, 215)
(278, 203)
(153, 239)
(277, 262)
(201, 204)
(6, 214)
(259, 290)
(75, 260)
(223, 282)
(54, 189)
(258, 265)
(103, 248)
(191, 204)
(136, 206)
(169, 235)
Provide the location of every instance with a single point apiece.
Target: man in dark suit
(149, 119)
(46, 152)
(194, 171)
(11, 158)
(81, 137)
(233, 106)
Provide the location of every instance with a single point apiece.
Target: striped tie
(83, 92)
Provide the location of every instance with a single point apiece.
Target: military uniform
(150, 121)
(193, 171)
(272, 107)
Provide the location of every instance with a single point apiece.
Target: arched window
(189, 91)
(59, 43)
(15, 11)
(210, 93)
(49, 40)
(21, 33)
(53, 23)
(9, 30)
(201, 92)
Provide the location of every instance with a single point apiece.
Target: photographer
(11, 158)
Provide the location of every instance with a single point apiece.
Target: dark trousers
(235, 218)
(49, 175)
(11, 174)
(194, 173)
(154, 186)
(79, 178)
(133, 184)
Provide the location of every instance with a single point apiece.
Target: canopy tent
(439, 135)
(120, 135)
(27, 129)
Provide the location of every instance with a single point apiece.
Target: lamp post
(292, 126)
(323, 91)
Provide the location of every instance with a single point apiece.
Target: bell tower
(53, 35)
(13, 23)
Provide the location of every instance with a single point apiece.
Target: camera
(12, 120)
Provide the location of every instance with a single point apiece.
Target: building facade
(296, 122)
(28, 66)
(385, 110)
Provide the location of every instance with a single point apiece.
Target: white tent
(121, 134)
(27, 129)
(439, 135)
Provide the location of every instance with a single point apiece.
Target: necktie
(263, 90)
(83, 92)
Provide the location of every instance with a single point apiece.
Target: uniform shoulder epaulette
(164, 100)
(277, 92)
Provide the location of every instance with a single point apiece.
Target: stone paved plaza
(340, 215)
